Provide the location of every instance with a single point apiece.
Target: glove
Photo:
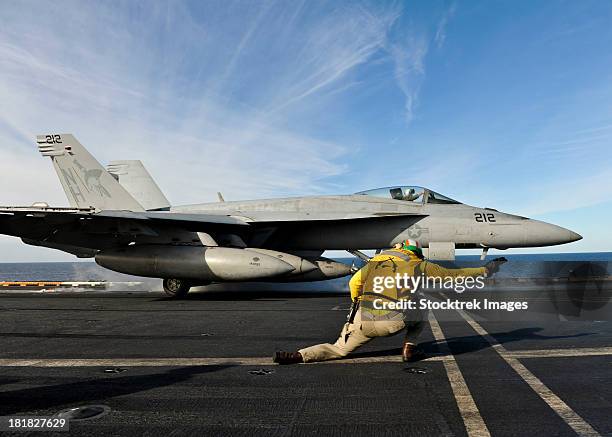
(493, 265)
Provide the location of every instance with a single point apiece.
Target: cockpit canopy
(410, 194)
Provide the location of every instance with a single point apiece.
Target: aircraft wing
(78, 228)
(82, 231)
(25, 220)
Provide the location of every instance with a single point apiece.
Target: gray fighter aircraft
(121, 218)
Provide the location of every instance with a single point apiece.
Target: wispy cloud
(176, 84)
(408, 58)
(440, 35)
(409, 49)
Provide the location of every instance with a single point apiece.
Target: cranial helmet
(413, 246)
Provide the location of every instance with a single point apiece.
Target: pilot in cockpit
(411, 195)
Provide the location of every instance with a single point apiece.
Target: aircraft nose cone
(574, 236)
(546, 234)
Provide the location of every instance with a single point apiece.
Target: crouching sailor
(381, 308)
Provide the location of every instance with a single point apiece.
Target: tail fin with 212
(86, 183)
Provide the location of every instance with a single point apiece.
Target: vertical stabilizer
(86, 183)
(134, 177)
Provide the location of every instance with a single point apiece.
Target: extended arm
(434, 270)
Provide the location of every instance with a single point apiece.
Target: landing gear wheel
(176, 288)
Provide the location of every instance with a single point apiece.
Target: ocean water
(531, 265)
(545, 265)
(60, 271)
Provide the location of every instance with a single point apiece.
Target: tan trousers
(358, 333)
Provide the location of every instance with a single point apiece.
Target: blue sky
(498, 104)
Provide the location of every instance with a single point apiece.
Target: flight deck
(158, 366)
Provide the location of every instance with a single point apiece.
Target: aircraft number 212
(481, 217)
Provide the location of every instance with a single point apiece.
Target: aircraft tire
(176, 288)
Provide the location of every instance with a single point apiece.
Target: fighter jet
(120, 217)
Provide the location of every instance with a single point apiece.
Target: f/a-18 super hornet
(120, 217)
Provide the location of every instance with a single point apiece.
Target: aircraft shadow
(254, 295)
(472, 343)
(93, 390)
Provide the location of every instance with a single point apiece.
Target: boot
(282, 357)
(411, 352)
